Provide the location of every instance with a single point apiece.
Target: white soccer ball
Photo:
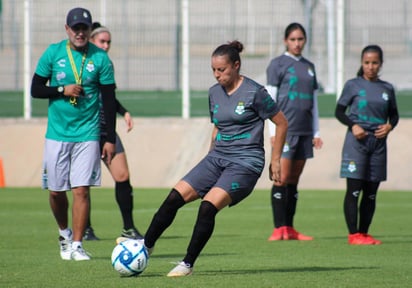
(130, 258)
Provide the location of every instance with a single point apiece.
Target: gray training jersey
(369, 101)
(240, 121)
(296, 82)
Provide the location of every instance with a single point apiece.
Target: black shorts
(233, 178)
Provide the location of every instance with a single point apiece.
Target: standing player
(72, 74)
(118, 168)
(238, 108)
(291, 81)
(372, 114)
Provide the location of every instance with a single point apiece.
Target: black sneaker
(89, 234)
(132, 233)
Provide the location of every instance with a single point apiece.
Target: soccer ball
(129, 258)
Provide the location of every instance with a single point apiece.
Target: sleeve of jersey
(264, 104)
(273, 91)
(393, 113)
(107, 71)
(315, 115)
(44, 65)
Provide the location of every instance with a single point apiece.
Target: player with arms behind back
(291, 81)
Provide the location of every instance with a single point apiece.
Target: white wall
(161, 150)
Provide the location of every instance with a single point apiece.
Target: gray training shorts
(70, 164)
(233, 178)
(364, 159)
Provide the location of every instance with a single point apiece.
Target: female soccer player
(291, 81)
(118, 168)
(238, 108)
(372, 114)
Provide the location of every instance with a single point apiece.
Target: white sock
(76, 244)
(66, 233)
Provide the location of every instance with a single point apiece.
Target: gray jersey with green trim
(240, 121)
(296, 82)
(369, 101)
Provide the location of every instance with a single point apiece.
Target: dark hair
(292, 27)
(98, 28)
(231, 49)
(96, 25)
(367, 49)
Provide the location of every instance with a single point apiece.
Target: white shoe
(141, 241)
(182, 269)
(65, 248)
(79, 254)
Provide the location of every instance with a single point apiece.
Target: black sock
(367, 205)
(124, 198)
(202, 231)
(350, 204)
(278, 200)
(291, 202)
(163, 217)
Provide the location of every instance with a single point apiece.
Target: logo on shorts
(240, 108)
(235, 186)
(286, 148)
(352, 166)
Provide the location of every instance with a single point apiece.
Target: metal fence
(146, 37)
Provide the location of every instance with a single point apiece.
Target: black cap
(79, 16)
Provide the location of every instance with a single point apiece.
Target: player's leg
(85, 171)
(367, 209)
(181, 194)
(278, 197)
(234, 185)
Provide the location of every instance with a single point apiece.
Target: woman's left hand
(383, 130)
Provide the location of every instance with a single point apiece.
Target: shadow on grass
(213, 273)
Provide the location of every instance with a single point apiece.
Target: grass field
(168, 104)
(238, 254)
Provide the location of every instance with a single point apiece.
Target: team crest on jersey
(352, 166)
(385, 96)
(240, 108)
(310, 72)
(60, 76)
(90, 66)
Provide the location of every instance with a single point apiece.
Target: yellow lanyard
(77, 75)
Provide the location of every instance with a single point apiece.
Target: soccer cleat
(277, 234)
(89, 234)
(370, 238)
(79, 254)
(141, 241)
(291, 234)
(65, 248)
(132, 233)
(182, 269)
(360, 239)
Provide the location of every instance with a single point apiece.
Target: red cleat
(370, 238)
(277, 234)
(292, 234)
(360, 239)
